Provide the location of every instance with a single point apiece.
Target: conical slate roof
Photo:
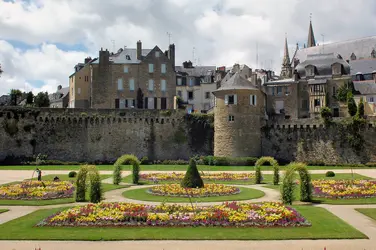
(236, 82)
(311, 37)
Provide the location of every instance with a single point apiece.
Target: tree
(42, 100)
(360, 112)
(179, 103)
(326, 115)
(140, 99)
(14, 96)
(192, 178)
(29, 98)
(351, 105)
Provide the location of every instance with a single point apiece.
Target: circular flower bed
(207, 191)
(155, 177)
(344, 189)
(234, 214)
(37, 190)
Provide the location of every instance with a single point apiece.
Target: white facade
(198, 98)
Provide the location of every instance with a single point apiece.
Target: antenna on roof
(323, 45)
(169, 37)
(256, 55)
(113, 45)
(193, 54)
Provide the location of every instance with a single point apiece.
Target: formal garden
(195, 203)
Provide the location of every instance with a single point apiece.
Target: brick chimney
(254, 80)
(139, 50)
(171, 54)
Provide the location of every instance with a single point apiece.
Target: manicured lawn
(3, 210)
(333, 201)
(105, 186)
(324, 226)
(370, 212)
(168, 167)
(143, 195)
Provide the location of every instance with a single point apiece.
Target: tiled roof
(236, 82)
(365, 66)
(361, 47)
(197, 71)
(365, 87)
(127, 55)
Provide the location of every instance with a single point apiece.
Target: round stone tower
(238, 114)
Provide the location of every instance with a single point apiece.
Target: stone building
(79, 85)
(194, 85)
(238, 115)
(59, 99)
(134, 78)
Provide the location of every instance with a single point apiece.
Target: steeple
(311, 36)
(286, 70)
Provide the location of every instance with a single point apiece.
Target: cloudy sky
(42, 40)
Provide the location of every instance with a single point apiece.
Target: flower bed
(344, 189)
(155, 177)
(234, 214)
(207, 191)
(37, 190)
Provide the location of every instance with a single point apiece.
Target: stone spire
(286, 70)
(311, 36)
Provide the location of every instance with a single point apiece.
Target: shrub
(330, 174)
(351, 105)
(192, 178)
(326, 115)
(288, 184)
(81, 184)
(72, 174)
(173, 162)
(360, 112)
(95, 184)
(127, 159)
(231, 161)
(144, 160)
(267, 159)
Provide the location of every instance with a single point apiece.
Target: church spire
(286, 70)
(311, 36)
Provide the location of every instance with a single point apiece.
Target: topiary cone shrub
(192, 178)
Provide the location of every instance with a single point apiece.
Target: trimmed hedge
(273, 162)
(288, 183)
(330, 174)
(72, 174)
(127, 159)
(227, 161)
(192, 178)
(95, 184)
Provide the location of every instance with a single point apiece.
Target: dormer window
(337, 69)
(310, 70)
(128, 57)
(231, 99)
(359, 77)
(353, 57)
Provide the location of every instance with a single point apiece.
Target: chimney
(254, 80)
(87, 60)
(59, 87)
(296, 76)
(139, 50)
(236, 68)
(171, 54)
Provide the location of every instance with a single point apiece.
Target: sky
(42, 40)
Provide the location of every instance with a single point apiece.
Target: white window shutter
(226, 99)
(251, 100)
(255, 103)
(235, 99)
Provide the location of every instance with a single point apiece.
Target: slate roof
(323, 64)
(365, 87)
(361, 47)
(197, 71)
(365, 66)
(58, 95)
(236, 82)
(127, 56)
(280, 81)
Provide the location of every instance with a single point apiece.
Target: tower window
(207, 95)
(253, 100)
(231, 118)
(231, 99)
(190, 95)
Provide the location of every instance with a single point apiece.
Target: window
(231, 118)
(231, 99)
(334, 91)
(163, 103)
(131, 84)
(86, 78)
(122, 103)
(179, 81)
(371, 99)
(179, 93)
(163, 85)
(151, 85)
(117, 103)
(151, 68)
(163, 68)
(273, 91)
(191, 82)
(207, 95)
(287, 91)
(317, 102)
(279, 90)
(120, 84)
(79, 91)
(157, 53)
(126, 69)
(190, 95)
(253, 100)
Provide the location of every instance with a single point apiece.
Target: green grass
(141, 194)
(169, 167)
(105, 186)
(324, 226)
(370, 212)
(333, 201)
(3, 210)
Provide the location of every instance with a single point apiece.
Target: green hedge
(127, 159)
(227, 161)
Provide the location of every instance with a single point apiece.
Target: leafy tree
(342, 93)
(326, 115)
(351, 105)
(360, 112)
(42, 100)
(179, 103)
(29, 98)
(192, 178)
(140, 99)
(14, 96)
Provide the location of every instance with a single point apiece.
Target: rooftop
(236, 81)
(365, 66)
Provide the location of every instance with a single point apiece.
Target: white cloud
(222, 31)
